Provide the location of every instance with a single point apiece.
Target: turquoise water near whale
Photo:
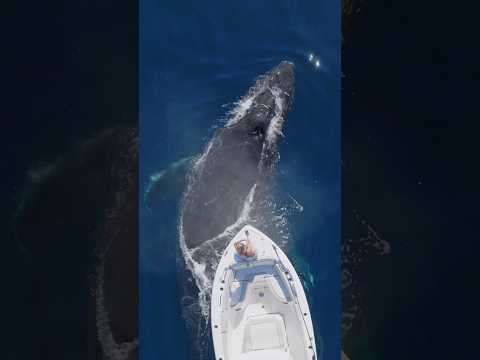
(196, 60)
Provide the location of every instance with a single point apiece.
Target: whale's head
(234, 169)
(261, 113)
(281, 77)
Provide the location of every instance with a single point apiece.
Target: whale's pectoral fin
(168, 183)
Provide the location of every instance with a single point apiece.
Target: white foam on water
(197, 269)
(245, 103)
(274, 129)
(202, 279)
(111, 349)
(297, 205)
(240, 109)
(199, 163)
(203, 282)
(231, 230)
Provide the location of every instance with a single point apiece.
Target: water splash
(203, 278)
(243, 105)
(276, 124)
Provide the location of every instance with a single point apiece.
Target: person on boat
(245, 248)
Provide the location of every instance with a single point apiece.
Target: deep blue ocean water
(195, 58)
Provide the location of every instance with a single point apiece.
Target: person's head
(241, 247)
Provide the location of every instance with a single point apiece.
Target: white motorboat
(259, 310)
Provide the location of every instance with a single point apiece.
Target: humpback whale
(226, 186)
(239, 156)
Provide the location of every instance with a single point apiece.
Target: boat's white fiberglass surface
(259, 308)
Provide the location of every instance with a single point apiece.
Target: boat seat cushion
(248, 274)
(264, 332)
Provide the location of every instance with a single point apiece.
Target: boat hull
(259, 309)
